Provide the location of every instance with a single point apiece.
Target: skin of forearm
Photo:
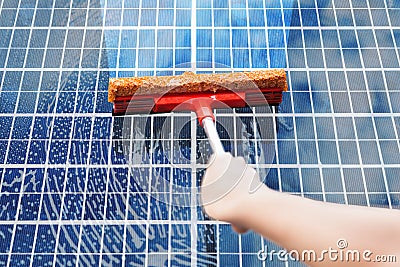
(229, 194)
(301, 224)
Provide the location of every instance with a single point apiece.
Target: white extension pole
(212, 135)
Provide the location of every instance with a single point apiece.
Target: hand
(226, 189)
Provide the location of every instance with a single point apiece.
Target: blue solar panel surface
(82, 188)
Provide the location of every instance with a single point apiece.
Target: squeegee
(200, 93)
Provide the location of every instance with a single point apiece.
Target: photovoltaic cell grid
(69, 196)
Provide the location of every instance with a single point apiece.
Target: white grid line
(167, 192)
(261, 165)
(188, 69)
(385, 81)
(141, 7)
(30, 144)
(128, 192)
(351, 109)
(373, 119)
(174, 41)
(230, 35)
(248, 36)
(151, 169)
(295, 132)
(193, 36)
(267, 42)
(84, 198)
(290, 95)
(193, 192)
(109, 167)
(351, 106)
(171, 186)
(314, 118)
(334, 120)
(156, 40)
(70, 134)
(120, 28)
(137, 38)
(92, 120)
(12, 243)
(212, 36)
(311, 103)
(207, 27)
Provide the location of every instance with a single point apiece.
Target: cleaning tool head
(196, 92)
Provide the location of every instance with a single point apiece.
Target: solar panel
(80, 187)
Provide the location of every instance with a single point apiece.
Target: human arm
(231, 192)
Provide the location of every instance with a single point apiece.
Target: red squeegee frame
(201, 103)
